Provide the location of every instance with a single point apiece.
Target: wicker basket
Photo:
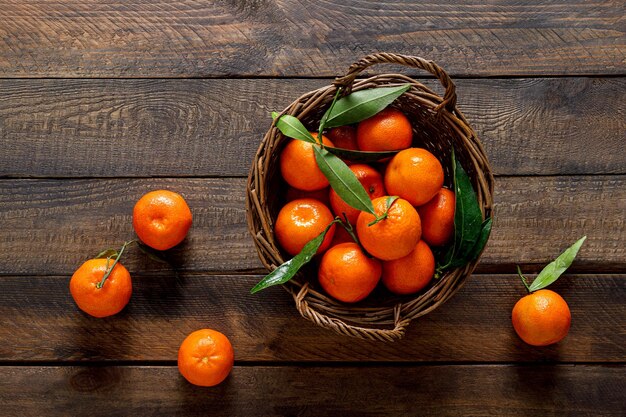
(437, 125)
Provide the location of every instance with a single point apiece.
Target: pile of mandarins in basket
(414, 212)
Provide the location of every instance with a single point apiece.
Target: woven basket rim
(356, 320)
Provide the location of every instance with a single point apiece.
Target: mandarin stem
(117, 258)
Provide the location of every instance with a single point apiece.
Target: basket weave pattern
(437, 126)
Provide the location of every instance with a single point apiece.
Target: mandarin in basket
(347, 274)
(415, 175)
(370, 179)
(97, 298)
(393, 237)
(438, 218)
(161, 219)
(388, 130)
(205, 357)
(298, 166)
(344, 137)
(301, 220)
(410, 273)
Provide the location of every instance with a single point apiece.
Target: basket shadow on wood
(437, 126)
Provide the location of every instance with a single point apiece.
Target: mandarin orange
(411, 273)
(301, 220)
(394, 236)
(347, 274)
(415, 175)
(298, 166)
(388, 130)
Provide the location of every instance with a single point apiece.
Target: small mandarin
(387, 130)
(371, 180)
(394, 236)
(541, 318)
(344, 137)
(298, 166)
(107, 300)
(205, 358)
(438, 218)
(301, 220)
(347, 274)
(161, 219)
(415, 175)
(411, 273)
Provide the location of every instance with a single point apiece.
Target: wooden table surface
(101, 102)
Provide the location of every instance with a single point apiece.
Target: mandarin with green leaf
(301, 220)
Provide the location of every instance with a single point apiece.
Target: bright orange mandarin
(111, 298)
(299, 221)
(411, 273)
(393, 237)
(371, 180)
(344, 137)
(388, 130)
(161, 219)
(415, 175)
(347, 274)
(295, 194)
(205, 357)
(541, 318)
(298, 166)
(438, 218)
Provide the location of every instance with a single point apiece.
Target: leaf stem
(390, 201)
(523, 278)
(325, 117)
(117, 258)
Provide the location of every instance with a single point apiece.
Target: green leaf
(467, 215)
(485, 231)
(343, 180)
(275, 114)
(107, 253)
(554, 269)
(293, 128)
(362, 104)
(286, 271)
(470, 231)
(152, 253)
(361, 156)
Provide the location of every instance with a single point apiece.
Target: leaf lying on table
(343, 180)
(288, 270)
(361, 105)
(470, 231)
(555, 269)
(362, 157)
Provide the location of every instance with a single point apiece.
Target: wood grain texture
(318, 391)
(290, 38)
(69, 128)
(51, 226)
(42, 323)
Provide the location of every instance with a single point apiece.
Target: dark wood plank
(68, 128)
(198, 38)
(51, 226)
(42, 323)
(317, 391)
